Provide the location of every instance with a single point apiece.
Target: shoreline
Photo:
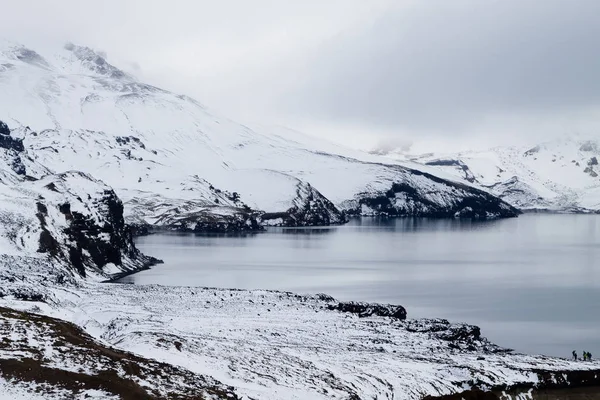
(280, 345)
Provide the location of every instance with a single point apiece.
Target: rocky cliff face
(310, 208)
(81, 221)
(69, 219)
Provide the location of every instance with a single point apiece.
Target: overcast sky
(466, 73)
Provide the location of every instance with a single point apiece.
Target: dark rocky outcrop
(14, 147)
(370, 309)
(458, 336)
(310, 208)
(244, 221)
(214, 220)
(89, 237)
(443, 199)
(90, 240)
(4, 129)
(552, 385)
(464, 168)
(8, 142)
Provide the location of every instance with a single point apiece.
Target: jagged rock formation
(370, 309)
(422, 194)
(68, 219)
(310, 208)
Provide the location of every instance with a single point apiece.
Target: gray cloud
(440, 66)
(385, 71)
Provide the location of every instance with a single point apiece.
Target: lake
(531, 283)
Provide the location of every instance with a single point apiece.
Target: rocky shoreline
(279, 345)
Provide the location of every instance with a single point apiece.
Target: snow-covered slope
(76, 111)
(561, 175)
(282, 346)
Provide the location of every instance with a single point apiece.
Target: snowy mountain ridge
(559, 175)
(75, 111)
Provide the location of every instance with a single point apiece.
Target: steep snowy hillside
(561, 175)
(175, 164)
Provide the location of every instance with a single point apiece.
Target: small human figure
(584, 355)
(574, 355)
(589, 356)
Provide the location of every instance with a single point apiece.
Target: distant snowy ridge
(75, 111)
(561, 175)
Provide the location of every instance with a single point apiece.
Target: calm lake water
(531, 283)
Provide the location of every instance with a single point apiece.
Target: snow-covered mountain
(81, 134)
(560, 175)
(177, 164)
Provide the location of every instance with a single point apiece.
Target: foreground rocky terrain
(44, 357)
(273, 345)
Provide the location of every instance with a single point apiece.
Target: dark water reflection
(531, 283)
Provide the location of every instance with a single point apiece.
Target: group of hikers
(587, 356)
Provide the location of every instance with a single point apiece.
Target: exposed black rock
(310, 208)
(11, 143)
(590, 171)
(458, 336)
(235, 220)
(48, 244)
(454, 163)
(370, 309)
(86, 235)
(14, 147)
(4, 129)
(552, 385)
(455, 201)
(125, 140)
(244, 221)
(140, 229)
(90, 241)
